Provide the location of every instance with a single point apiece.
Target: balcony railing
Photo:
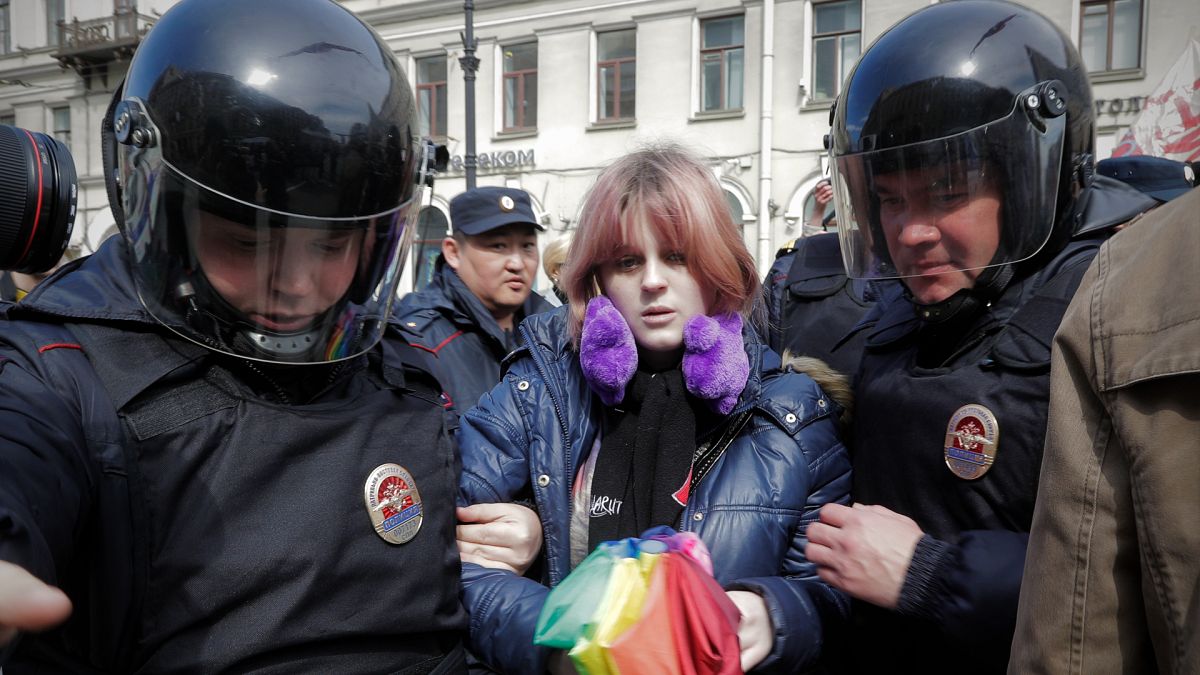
(96, 41)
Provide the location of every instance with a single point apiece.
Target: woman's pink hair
(670, 189)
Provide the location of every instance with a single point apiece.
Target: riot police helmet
(958, 102)
(266, 169)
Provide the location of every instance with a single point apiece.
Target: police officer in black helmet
(215, 454)
(962, 163)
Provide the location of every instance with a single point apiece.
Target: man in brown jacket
(1112, 575)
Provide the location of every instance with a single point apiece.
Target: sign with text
(500, 159)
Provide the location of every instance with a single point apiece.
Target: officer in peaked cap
(488, 208)
(1161, 178)
(482, 288)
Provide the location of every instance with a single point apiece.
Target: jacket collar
(462, 307)
(546, 338)
(96, 292)
(97, 287)
(896, 321)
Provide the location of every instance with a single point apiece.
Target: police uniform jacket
(198, 526)
(812, 305)
(780, 463)
(451, 323)
(913, 422)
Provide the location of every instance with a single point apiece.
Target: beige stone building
(566, 86)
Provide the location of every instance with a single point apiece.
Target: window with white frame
(836, 45)
(1110, 34)
(431, 96)
(61, 125)
(5, 27)
(735, 207)
(722, 60)
(738, 201)
(8, 119)
(616, 75)
(520, 87)
(56, 11)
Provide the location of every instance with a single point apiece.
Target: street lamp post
(470, 65)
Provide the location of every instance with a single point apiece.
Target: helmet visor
(964, 202)
(260, 284)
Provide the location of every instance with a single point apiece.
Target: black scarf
(645, 457)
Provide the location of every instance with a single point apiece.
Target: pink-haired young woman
(647, 401)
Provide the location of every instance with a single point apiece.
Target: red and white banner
(1169, 124)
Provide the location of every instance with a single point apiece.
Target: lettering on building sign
(1118, 106)
(501, 159)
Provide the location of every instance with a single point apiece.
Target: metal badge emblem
(507, 203)
(971, 440)
(393, 503)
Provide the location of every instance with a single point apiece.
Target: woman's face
(942, 227)
(283, 279)
(652, 288)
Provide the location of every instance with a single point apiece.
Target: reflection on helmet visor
(282, 279)
(972, 200)
(955, 208)
(261, 284)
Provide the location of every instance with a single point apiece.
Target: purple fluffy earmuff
(715, 366)
(607, 352)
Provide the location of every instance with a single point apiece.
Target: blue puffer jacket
(752, 509)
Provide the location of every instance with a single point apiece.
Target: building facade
(564, 87)
(60, 61)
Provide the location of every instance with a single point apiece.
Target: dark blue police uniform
(927, 406)
(447, 320)
(812, 306)
(202, 525)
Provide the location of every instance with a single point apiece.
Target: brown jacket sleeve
(1113, 568)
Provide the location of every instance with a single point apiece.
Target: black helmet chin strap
(944, 323)
(279, 347)
(211, 315)
(966, 303)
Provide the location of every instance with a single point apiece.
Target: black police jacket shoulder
(958, 607)
(199, 528)
(812, 305)
(447, 320)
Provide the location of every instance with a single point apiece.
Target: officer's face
(942, 227)
(498, 266)
(651, 286)
(281, 278)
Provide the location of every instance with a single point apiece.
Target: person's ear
(451, 252)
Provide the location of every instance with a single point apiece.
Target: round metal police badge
(971, 440)
(507, 203)
(393, 503)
